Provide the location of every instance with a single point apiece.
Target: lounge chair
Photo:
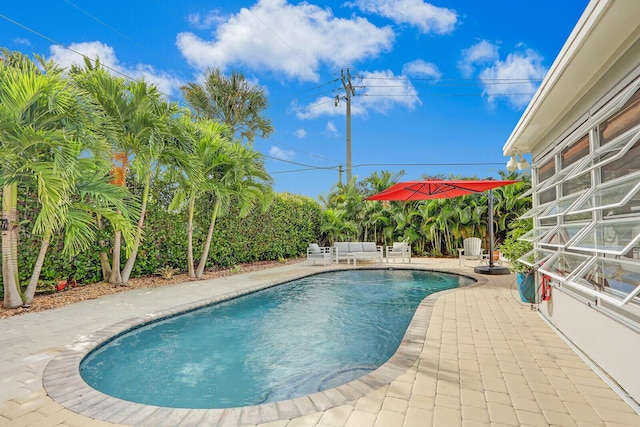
(318, 253)
(471, 249)
(400, 250)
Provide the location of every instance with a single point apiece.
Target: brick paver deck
(473, 356)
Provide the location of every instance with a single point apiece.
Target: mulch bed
(96, 290)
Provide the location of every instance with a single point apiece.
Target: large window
(587, 209)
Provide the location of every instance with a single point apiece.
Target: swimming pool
(280, 343)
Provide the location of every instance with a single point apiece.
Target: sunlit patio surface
(473, 356)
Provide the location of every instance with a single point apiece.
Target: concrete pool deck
(484, 358)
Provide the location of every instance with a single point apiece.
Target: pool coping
(63, 383)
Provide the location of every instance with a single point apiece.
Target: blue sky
(439, 85)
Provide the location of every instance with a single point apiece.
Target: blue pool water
(279, 343)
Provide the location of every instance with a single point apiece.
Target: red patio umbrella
(444, 189)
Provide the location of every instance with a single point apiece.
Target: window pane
(616, 194)
(547, 196)
(575, 152)
(534, 211)
(535, 234)
(562, 265)
(618, 279)
(560, 207)
(563, 234)
(609, 153)
(616, 237)
(558, 177)
(549, 222)
(576, 185)
(625, 165)
(627, 117)
(536, 257)
(547, 170)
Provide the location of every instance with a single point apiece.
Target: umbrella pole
(491, 228)
(491, 269)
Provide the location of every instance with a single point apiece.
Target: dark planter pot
(527, 287)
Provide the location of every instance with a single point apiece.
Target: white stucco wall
(613, 346)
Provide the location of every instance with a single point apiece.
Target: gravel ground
(96, 290)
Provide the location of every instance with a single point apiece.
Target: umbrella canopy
(437, 189)
(444, 189)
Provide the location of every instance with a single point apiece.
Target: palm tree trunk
(207, 243)
(128, 267)
(12, 297)
(190, 268)
(115, 278)
(33, 283)
(104, 259)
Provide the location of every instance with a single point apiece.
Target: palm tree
(232, 101)
(236, 175)
(93, 196)
(47, 126)
(337, 227)
(195, 181)
(377, 214)
(146, 138)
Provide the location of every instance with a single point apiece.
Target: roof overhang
(606, 29)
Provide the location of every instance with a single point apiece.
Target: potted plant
(513, 248)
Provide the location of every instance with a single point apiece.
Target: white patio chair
(400, 250)
(318, 253)
(471, 249)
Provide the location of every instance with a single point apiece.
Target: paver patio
(485, 359)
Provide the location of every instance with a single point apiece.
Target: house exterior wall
(612, 346)
(581, 164)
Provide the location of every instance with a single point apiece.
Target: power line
(302, 151)
(332, 169)
(429, 164)
(104, 24)
(299, 164)
(281, 40)
(522, 79)
(448, 94)
(55, 42)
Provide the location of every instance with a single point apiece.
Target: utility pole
(350, 91)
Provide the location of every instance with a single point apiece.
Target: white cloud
(331, 129)
(166, 83)
(300, 133)
(22, 41)
(288, 39)
(280, 153)
(378, 91)
(425, 16)
(207, 22)
(480, 53)
(420, 68)
(515, 76)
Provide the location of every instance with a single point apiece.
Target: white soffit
(606, 29)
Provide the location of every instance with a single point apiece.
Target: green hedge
(283, 231)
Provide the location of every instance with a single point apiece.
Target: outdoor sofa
(354, 251)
